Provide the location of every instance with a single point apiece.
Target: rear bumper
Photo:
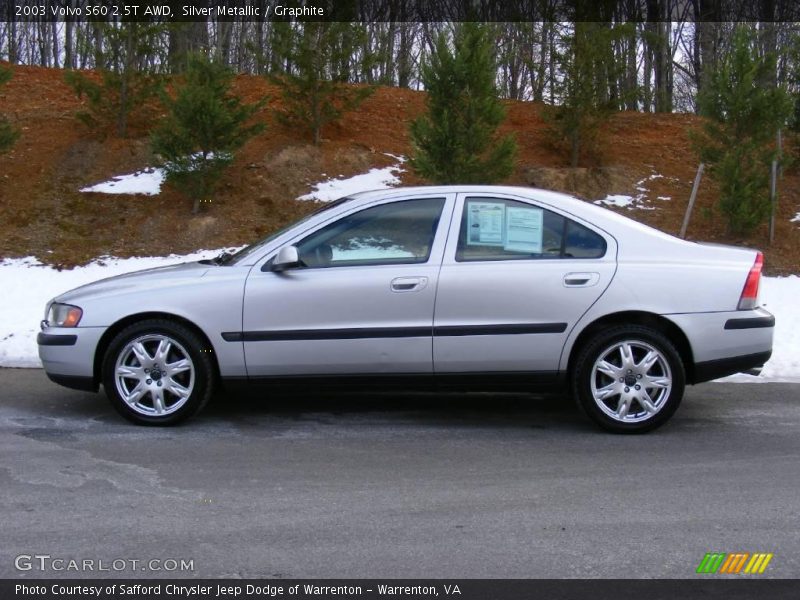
(722, 367)
(750, 322)
(724, 343)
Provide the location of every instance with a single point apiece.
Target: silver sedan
(468, 287)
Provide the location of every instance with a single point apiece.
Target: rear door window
(500, 229)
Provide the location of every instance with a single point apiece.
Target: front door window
(389, 234)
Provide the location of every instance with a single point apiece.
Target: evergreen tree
(8, 134)
(737, 139)
(456, 140)
(313, 87)
(587, 64)
(124, 86)
(204, 126)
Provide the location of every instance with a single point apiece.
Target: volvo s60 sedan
(462, 287)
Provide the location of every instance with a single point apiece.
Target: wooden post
(773, 199)
(773, 186)
(692, 199)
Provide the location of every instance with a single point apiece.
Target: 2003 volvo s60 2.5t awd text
(475, 287)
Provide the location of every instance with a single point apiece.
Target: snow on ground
(374, 179)
(29, 284)
(618, 200)
(796, 218)
(639, 200)
(779, 296)
(147, 182)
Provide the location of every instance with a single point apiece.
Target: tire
(158, 372)
(613, 363)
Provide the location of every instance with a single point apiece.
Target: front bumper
(49, 339)
(86, 384)
(67, 355)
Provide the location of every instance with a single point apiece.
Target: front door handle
(581, 279)
(409, 284)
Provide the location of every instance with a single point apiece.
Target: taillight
(749, 298)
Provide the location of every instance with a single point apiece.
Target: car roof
(557, 199)
(597, 215)
(456, 189)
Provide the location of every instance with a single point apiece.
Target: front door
(363, 302)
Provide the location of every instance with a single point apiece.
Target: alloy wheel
(154, 375)
(631, 381)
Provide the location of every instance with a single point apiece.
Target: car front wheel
(157, 372)
(629, 379)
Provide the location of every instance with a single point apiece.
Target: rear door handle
(581, 279)
(409, 284)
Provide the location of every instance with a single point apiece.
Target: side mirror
(286, 258)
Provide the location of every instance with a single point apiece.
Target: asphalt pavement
(388, 485)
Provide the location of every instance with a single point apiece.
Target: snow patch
(638, 201)
(796, 219)
(374, 179)
(779, 296)
(618, 200)
(147, 182)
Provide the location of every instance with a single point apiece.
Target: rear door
(516, 277)
(363, 304)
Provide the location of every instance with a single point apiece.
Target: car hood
(156, 277)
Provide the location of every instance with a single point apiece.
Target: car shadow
(479, 409)
(39, 404)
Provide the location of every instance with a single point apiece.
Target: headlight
(64, 315)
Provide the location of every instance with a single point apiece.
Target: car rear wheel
(629, 379)
(157, 372)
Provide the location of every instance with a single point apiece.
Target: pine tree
(124, 87)
(456, 140)
(8, 134)
(204, 126)
(585, 104)
(737, 139)
(313, 88)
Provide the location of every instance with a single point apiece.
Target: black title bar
(400, 10)
(368, 589)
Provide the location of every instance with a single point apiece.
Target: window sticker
(523, 229)
(485, 223)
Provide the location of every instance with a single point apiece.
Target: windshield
(248, 250)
